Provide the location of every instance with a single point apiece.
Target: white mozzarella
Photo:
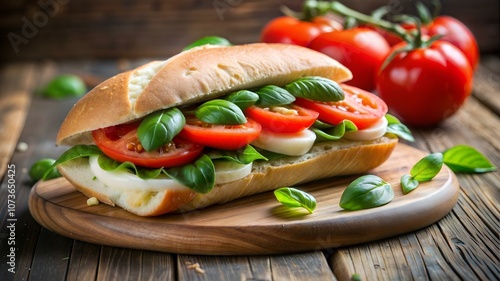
(289, 144)
(228, 171)
(129, 181)
(375, 131)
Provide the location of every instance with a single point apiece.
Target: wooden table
(464, 245)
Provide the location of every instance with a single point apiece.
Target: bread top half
(193, 76)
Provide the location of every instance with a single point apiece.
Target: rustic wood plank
(487, 88)
(129, 264)
(83, 262)
(303, 266)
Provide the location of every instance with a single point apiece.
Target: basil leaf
(220, 112)
(399, 129)
(334, 132)
(199, 175)
(273, 96)
(427, 168)
(111, 165)
(208, 40)
(366, 192)
(316, 88)
(466, 159)
(160, 128)
(408, 183)
(243, 99)
(245, 155)
(292, 197)
(74, 152)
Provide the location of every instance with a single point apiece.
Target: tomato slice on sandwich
(280, 119)
(122, 144)
(359, 106)
(226, 137)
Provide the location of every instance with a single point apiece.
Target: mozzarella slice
(128, 181)
(375, 131)
(228, 171)
(289, 144)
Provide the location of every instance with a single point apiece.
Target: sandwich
(216, 123)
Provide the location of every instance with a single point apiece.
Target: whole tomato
(426, 85)
(290, 30)
(362, 50)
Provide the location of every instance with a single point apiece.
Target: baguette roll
(201, 74)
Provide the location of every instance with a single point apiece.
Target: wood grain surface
(256, 224)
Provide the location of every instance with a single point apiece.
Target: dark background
(73, 29)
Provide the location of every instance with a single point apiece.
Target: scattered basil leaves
(159, 128)
(365, 192)
(272, 95)
(397, 128)
(63, 86)
(243, 99)
(293, 198)
(408, 183)
(209, 40)
(330, 132)
(316, 88)
(424, 170)
(466, 159)
(220, 111)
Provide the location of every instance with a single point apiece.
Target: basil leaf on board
(74, 152)
(293, 198)
(316, 88)
(243, 99)
(159, 128)
(466, 159)
(272, 95)
(366, 192)
(334, 132)
(221, 112)
(199, 175)
(111, 165)
(245, 155)
(208, 40)
(427, 168)
(399, 129)
(408, 183)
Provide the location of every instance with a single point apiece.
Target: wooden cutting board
(257, 224)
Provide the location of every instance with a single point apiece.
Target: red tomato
(456, 33)
(359, 106)
(362, 50)
(122, 144)
(291, 30)
(427, 85)
(228, 137)
(279, 121)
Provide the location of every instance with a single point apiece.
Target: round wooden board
(257, 224)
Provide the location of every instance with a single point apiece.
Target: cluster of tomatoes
(423, 81)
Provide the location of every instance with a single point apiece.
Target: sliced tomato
(122, 144)
(361, 107)
(290, 119)
(227, 137)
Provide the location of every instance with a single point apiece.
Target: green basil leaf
(334, 132)
(466, 159)
(243, 99)
(159, 128)
(208, 40)
(74, 152)
(111, 165)
(63, 86)
(428, 167)
(199, 175)
(316, 88)
(408, 183)
(245, 155)
(292, 197)
(273, 96)
(366, 192)
(399, 129)
(220, 112)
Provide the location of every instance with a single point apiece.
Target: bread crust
(192, 76)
